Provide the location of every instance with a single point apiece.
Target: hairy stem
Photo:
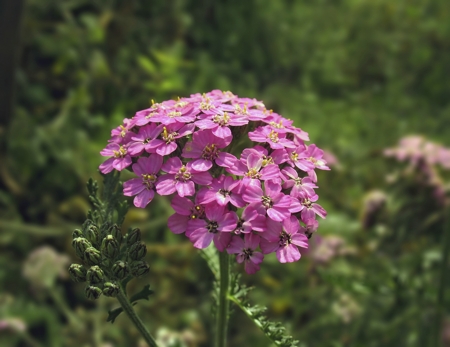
(128, 309)
(223, 304)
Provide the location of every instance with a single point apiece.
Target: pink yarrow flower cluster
(260, 201)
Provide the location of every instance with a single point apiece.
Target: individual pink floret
(185, 212)
(140, 141)
(250, 220)
(309, 208)
(253, 171)
(299, 157)
(119, 161)
(216, 227)
(223, 190)
(310, 227)
(275, 203)
(144, 187)
(315, 156)
(220, 123)
(299, 185)
(206, 149)
(276, 157)
(166, 143)
(275, 139)
(180, 178)
(284, 239)
(245, 252)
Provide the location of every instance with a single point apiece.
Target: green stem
(222, 310)
(128, 309)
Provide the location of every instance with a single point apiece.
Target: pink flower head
(217, 227)
(245, 252)
(205, 148)
(238, 198)
(284, 239)
(144, 187)
(180, 178)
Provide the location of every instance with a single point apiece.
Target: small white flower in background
(13, 324)
(44, 265)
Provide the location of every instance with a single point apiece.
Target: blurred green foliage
(355, 74)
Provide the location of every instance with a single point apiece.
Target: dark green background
(357, 75)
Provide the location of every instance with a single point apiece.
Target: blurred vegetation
(356, 74)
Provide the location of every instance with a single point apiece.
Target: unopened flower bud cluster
(259, 200)
(108, 257)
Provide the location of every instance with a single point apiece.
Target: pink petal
(251, 267)
(143, 198)
(166, 185)
(278, 215)
(236, 245)
(202, 178)
(222, 240)
(288, 254)
(201, 165)
(201, 238)
(107, 166)
(182, 205)
(268, 246)
(185, 188)
(257, 257)
(133, 187)
(177, 223)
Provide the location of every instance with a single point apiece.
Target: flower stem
(222, 310)
(128, 309)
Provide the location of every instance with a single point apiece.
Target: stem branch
(128, 309)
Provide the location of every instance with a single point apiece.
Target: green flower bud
(139, 268)
(81, 245)
(93, 235)
(93, 293)
(133, 236)
(110, 289)
(77, 233)
(137, 251)
(104, 229)
(110, 247)
(77, 272)
(120, 269)
(95, 275)
(116, 232)
(92, 256)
